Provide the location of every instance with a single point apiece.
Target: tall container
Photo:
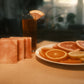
(29, 26)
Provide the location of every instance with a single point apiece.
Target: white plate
(50, 46)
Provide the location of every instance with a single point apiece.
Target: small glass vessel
(29, 26)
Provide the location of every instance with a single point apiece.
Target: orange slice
(68, 46)
(82, 59)
(80, 43)
(76, 54)
(36, 14)
(43, 51)
(55, 46)
(56, 54)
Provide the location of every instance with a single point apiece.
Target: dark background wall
(11, 15)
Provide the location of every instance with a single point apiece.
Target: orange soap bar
(20, 46)
(8, 51)
(28, 47)
(24, 46)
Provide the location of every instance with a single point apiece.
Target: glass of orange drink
(29, 25)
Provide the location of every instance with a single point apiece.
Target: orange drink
(29, 24)
(30, 29)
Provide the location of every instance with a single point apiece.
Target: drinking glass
(29, 26)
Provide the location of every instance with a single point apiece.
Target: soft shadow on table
(67, 67)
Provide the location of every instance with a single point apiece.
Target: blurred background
(63, 20)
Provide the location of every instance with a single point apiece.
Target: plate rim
(50, 45)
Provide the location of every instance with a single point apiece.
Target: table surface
(36, 71)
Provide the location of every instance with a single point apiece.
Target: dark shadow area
(60, 31)
(66, 67)
(79, 28)
(59, 35)
(11, 12)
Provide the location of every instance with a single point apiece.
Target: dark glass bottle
(29, 26)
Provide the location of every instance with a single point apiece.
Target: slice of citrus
(36, 14)
(68, 46)
(82, 59)
(80, 43)
(55, 46)
(76, 54)
(56, 54)
(43, 51)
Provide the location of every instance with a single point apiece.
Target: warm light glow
(47, 0)
(69, 2)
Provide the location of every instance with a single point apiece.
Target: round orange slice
(76, 54)
(68, 46)
(56, 54)
(36, 14)
(80, 43)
